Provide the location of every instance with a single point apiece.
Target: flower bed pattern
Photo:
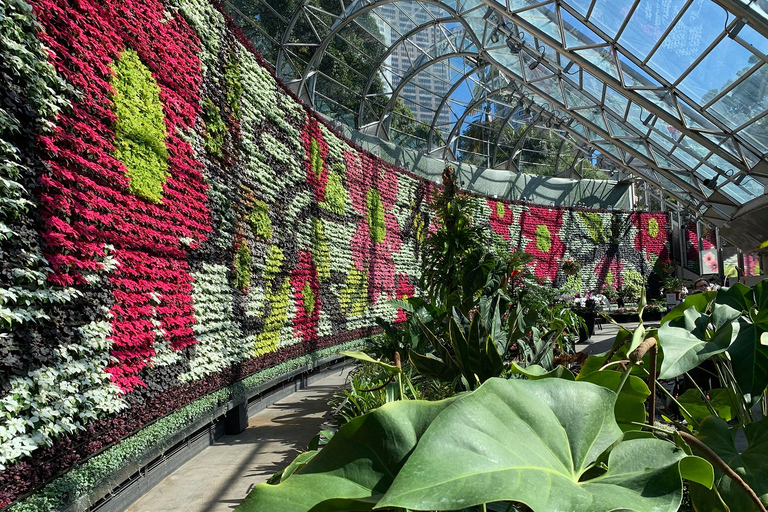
(152, 261)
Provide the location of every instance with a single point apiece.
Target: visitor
(701, 285)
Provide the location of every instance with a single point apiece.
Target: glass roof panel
(618, 130)
(724, 64)
(634, 76)
(699, 26)
(602, 58)
(609, 15)
(540, 19)
(686, 157)
(754, 39)
(745, 101)
(576, 33)
(647, 24)
(592, 85)
(595, 116)
(661, 141)
(581, 6)
(551, 87)
(757, 134)
(661, 99)
(576, 98)
(615, 101)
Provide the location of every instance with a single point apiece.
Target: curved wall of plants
(175, 224)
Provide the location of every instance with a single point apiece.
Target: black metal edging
(133, 481)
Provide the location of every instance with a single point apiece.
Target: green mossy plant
(336, 197)
(214, 128)
(140, 128)
(243, 263)
(375, 216)
(543, 238)
(316, 158)
(260, 221)
(309, 298)
(594, 224)
(234, 85)
(354, 295)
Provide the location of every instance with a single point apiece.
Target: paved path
(220, 477)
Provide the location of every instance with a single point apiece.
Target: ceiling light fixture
(710, 182)
(533, 65)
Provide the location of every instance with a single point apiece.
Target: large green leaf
(533, 442)
(536, 372)
(749, 358)
(695, 409)
(751, 465)
(356, 467)
(761, 302)
(630, 404)
(686, 345)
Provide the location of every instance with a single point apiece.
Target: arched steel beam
(355, 9)
(391, 50)
(412, 73)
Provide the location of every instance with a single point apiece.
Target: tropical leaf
(551, 444)
(559, 429)
(751, 465)
(686, 345)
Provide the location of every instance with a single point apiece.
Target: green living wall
(176, 227)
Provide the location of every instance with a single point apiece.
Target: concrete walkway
(220, 477)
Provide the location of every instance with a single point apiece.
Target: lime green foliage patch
(375, 216)
(653, 227)
(243, 266)
(214, 128)
(335, 194)
(278, 292)
(140, 128)
(500, 210)
(633, 280)
(543, 238)
(309, 298)
(321, 254)
(260, 221)
(233, 83)
(594, 224)
(315, 158)
(354, 296)
(269, 338)
(274, 261)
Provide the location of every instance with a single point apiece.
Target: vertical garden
(176, 226)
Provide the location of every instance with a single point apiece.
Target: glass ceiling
(673, 91)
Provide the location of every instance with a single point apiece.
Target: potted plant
(571, 267)
(667, 266)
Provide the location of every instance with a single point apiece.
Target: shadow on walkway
(220, 477)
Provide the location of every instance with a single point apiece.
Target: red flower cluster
(316, 149)
(366, 173)
(500, 224)
(652, 235)
(307, 306)
(541, 227)
(85, 198)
